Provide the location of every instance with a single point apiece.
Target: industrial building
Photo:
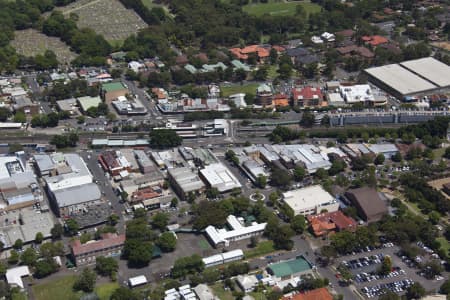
(218, 176)
(185, 182)
(414, 78)
(223, 237)
(114, 162)
(310, 200)
(144, 162)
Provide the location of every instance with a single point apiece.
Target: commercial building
(370, 206)
(289, 269)
(185, 182)
(68, 105)
(325, 223)
(114, 162)
(129, 106)
(110, 245)
(223, 237)
(310, 200)
(220, 177)
(144, 162)
(223, 258)
(69, 185)
(307, 97)
(88, 102)
(414, 78)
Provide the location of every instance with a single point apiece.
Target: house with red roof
(374, 40)
(307, 97)
(262, 53)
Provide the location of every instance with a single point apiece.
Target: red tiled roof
(243, 53)
(329, 221)
(375, 40)
(317, 294)
(144, 194)
(108, 240)
(307, 93)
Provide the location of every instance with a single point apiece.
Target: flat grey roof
(77, 194)
(400, 79)
(431, 69)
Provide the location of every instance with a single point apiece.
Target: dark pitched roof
(295, 52)
(368, 200)
(308, 59)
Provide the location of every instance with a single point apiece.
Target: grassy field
(30, 42)
(438, 153)
(104, 291)
(275, 8)
(19, 296)
(263, 248)
(237, 88)
(61, 288)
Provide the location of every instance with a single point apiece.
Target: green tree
(113, 219)
(57, 231)
(106, 266)
(123, 293)
(3, 269)
(28, 257)
(4, 114)
(261, 181)
(164, 138)
(299, 173)
(18, 244)
(379, 159)
(20, 117)
(444, 289)
(160, 221)
(13, 257)
(72, 226)
(39, 237)
(389, 295)
(386, 266)
(45, 267)
(85, 281)
(397, 157)
(308, 119)
(81, 119)
(415, 291)
(298, 224)
(187, 265)
(167, 241)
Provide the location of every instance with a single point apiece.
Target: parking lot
(364, 265)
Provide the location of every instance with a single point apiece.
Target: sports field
(280, 8)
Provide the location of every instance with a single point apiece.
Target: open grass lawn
(279, 8)
(438, 153)
(57, 289)
(237, 88)
(61, 288)
(19, 296)
(104, 291)
(264, 247)
(221, 293)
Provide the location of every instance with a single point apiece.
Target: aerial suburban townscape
(224, 149)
